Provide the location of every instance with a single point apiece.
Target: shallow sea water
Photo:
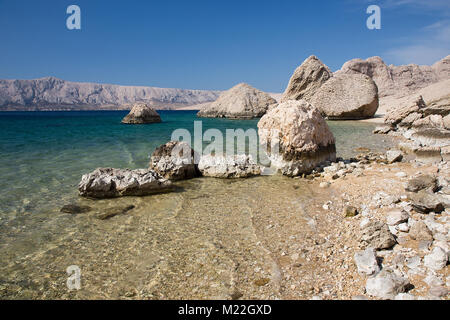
(198, 242)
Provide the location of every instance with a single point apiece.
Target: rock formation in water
(111, 183)
(237, 166)
(174, 161)
(306, 80)
(347, 96)
(297, 137)
(141, 113)
(240, 102)
(55, 94)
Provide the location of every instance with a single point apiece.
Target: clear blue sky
(211, 44)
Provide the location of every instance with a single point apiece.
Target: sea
(147, 252)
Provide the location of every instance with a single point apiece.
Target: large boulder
(111, 183)
(141, 113)
(236, 166)
(240, 102)
(297, 137)
(306, 80)
(347, 96)
(174, 161)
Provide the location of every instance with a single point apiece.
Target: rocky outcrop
(398, 80)
(111, 183)
(347, 96)
(297, 137)
(55, 94)
(237, 166)
(306, 80)
(422, 118)
(174, 161)
(240, 102)
(141, 113)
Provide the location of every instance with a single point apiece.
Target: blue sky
(211, 44)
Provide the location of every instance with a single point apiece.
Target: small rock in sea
(237, 166)
(262, 282)
(436, 260)
(396, 216)
(419, 231)
(75, 209)
(109, 213)
(377, 235)
(350, 211)
(386, 285)
(110, 183)
(240, 102)
(141, 113)
(421, 182)
(366, 262)
(174, 160)
(394, 156)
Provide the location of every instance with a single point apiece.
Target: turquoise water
(44, 154)
(211, 229)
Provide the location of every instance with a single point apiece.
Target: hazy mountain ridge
(55, 94)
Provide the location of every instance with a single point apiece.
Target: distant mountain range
(55, 94)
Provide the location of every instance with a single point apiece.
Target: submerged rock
(306, 80)
(109, 213)
(238, 166)
(141, 113)
(174, 161)
(347, 96)
(240, 102)
(297, 137)
(75, 209)
(110, 183)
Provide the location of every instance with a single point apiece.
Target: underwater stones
(297, 137)
(75, 209)
(174, 161)
(237, 166)
(111, 183)
(111, 212)
(141, 113)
